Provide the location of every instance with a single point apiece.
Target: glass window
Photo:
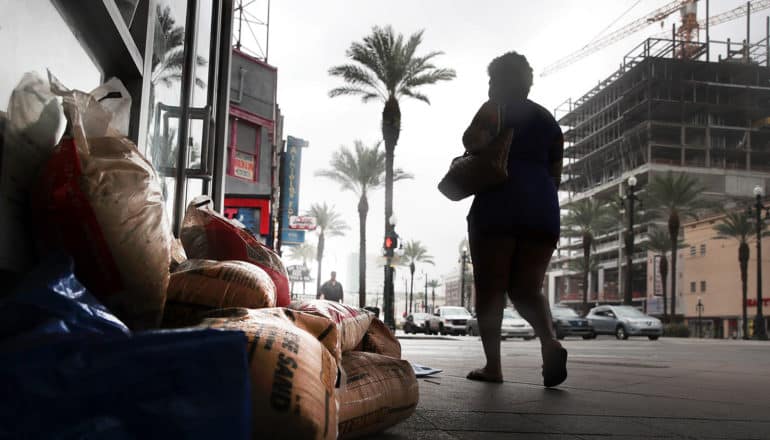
(35, 37)
(511, 314)
(446, 311)
(692, 287)
(629, 312)
(692, 251)
(703, 249)
(702, 286)
(563, 312)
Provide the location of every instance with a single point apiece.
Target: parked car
(624, 321)
(566, 322)
(416, 323)
(449, 320)
(513, 326)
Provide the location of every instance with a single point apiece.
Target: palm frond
(329, 221)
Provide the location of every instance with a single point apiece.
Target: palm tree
(432, 284)
(659, 243)
(304, 252)
(330, 224)
(385, 67)
(674, 197)
(359, 171)
(414, 252)
(739, 226)
(586, 219)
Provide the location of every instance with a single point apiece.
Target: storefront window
(34, 37)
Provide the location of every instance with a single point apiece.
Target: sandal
(554, 367)
(480, 375)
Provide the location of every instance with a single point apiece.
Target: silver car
(449, 320)
(624, 321)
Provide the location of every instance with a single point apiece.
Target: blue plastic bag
(51, 301)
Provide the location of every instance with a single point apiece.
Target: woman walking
(514, 227)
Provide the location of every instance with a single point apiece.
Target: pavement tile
(480, 435)
(485, 421)
(394, 434)
(716, 429)
(598, 425)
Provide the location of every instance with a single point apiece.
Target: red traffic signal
(390, 243)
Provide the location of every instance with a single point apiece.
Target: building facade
(251, 182)
(660, 112)
(711, 274)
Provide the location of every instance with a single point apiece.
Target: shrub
(676, 330)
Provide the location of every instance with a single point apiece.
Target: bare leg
(530, 263)
(492, 259)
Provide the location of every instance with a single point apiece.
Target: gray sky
(307, 37)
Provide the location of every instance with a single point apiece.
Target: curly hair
(513, 70)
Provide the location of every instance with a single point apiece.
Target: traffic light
(390, 244)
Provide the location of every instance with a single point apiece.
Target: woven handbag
(473, 173)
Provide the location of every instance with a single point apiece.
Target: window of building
(692, 287)
(692, 251)
(245, 142)
(702, 286)
(703, 249)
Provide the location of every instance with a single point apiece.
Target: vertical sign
(657, 279)
(290, 190)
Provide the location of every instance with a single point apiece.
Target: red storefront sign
(752, 302)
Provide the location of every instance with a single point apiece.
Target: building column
(551, 288)
(600, 281)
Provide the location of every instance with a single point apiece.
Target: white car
(449, 320)
(513, 326)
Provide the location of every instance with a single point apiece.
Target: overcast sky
(308, 37)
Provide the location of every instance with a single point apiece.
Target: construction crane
(687, 31)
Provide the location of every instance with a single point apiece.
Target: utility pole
(628, 297)
(463, 263)
(760, 331)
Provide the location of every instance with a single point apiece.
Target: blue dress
(527, 203)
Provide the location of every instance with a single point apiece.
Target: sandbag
(379, 339)
(177, 253)
(352, 322)
(101, 201)
(293, 376)
(208, 235)
(199, 285)
(379, 392)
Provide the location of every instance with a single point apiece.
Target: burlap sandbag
(352, 322)
(293, 375)
(206, 234)
(379, 392)
(100, 200)
(379, 339)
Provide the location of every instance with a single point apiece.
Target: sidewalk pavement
(635, 389)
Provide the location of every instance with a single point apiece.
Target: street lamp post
(760, 331)
(425, 298)
(699, 306)
(389, 294)
(628, 295)
(463, 262)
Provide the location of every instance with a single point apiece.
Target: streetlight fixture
(631, 197)
(463, 262)
(760, 331)
(699, 307)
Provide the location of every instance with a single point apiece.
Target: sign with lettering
(304, 222)
(244, 165)
(291, 161)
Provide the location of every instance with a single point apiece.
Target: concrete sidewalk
(635, 389)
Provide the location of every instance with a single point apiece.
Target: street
(634, 389)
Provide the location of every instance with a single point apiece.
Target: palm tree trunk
(743, 259)
(673, 233)
(363, 210)
(587, 241)
(319, 258)
(391, 128)
(663, 267)
(411, 286)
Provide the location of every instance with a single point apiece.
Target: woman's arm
(483, 128)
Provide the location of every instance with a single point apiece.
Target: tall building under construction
(674, 105)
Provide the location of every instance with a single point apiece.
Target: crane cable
(614, 22)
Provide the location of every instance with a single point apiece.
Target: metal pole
(240, 24)
(708, 38)
(188, 73)
(425, 304)
(628, 297)
(767, 41)
(759, 322)
(748, 33)
(267, 32)
(462, 278)
(700, 312)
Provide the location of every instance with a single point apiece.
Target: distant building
(710, 271)
(251, 185)
(662, 111)
(453, 287)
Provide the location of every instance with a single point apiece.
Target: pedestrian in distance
(331, 290)
(513, 228)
